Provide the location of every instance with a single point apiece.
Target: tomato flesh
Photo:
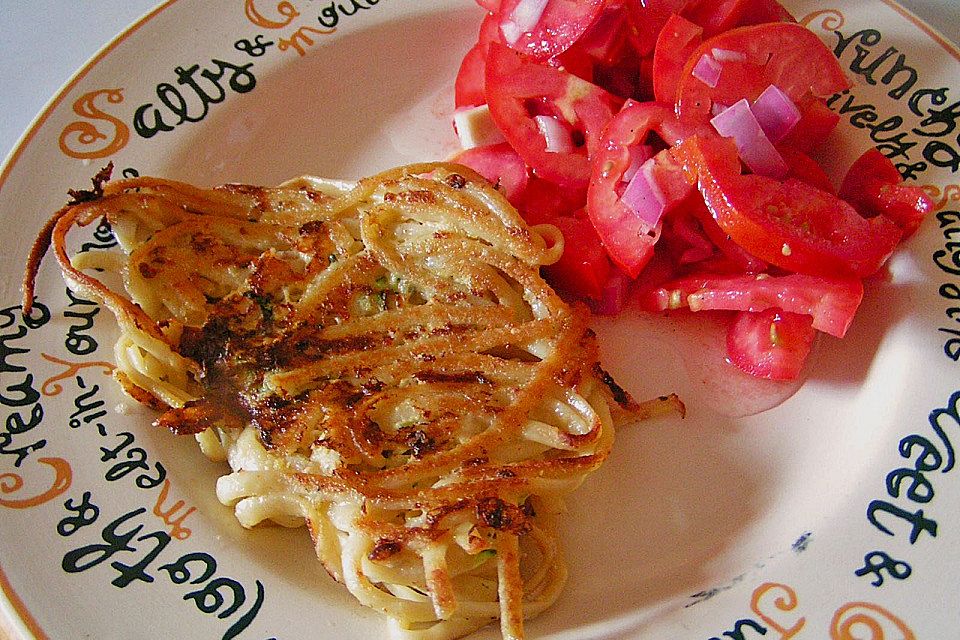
(648, 190)
(771, 344)
(717, 16)
(541, 201)
(817, 122)
(806, 169)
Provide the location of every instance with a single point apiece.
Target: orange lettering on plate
(950, 193)
(12, 482)
(866, 616)
(177, 531)
(300, 38)
(52, 387)
(82, 139)
(284, 8)
(786, 602)
(830, 19)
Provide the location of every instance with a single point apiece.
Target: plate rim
(14, 611)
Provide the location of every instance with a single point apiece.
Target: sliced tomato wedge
(500, 165)
(806, 169)
(789, 224)
(831, 302)
(735, 257)
(761, 11)
(468, 86)
(518, 88)
(784, 54)
(542, 201)
(647, 18)
(628, 238)
(684, 239)
(583, 268)
(606, 38)
(470, 80)
(559, 26)
(716, 16)
(874, 187)
(817, 122)
(771, 344)
(677, 41)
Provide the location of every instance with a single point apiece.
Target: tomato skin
(874, 187)
(717, 16)
(561, 24)
(817, 122)
(628, 239)
(542, 201)
(788, 224)
(605, 41)
(583, 268)
(830, 302)
(500, 165)
(771, 344)
(647, 18)
(736, 258)
(761, 11)
(806, 169)
(468, 85)
(677, 41)
(784, 54)
(515, 82)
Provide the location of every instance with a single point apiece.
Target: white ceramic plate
(836, 514)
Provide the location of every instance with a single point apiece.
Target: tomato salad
(673, 143)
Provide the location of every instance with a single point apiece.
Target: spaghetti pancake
(381, 361)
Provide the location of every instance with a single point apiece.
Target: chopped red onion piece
(523, 18)
(717, 108)
(776, 113)
(707, 70)
(643, 195)
(639, 154)
(726, 55)
(557, 136)
(756, 150)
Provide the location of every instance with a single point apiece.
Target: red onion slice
(557, 136)
(707, 70)
(756, 150)
(776, 113)
(726, 55)
(639, 154)
(643, 195)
